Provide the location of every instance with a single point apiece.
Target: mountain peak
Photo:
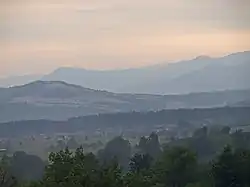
(63, 69)
(53, 83)
(202, 57)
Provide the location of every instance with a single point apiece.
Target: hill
(56, 100)
(132, 122)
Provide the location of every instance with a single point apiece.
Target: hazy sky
(37, 36)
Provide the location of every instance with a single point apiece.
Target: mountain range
(202, 74)
(57, 100)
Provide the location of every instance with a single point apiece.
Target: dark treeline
(227, 115)
(217, 157)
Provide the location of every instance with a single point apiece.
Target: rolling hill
(132, 122)
(56, 100)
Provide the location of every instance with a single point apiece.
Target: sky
(37, 36)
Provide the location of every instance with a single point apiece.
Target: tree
(143, 143)
(242, 157)
(139, 174)
(177, 167)
(194, 185)
(153, 146)
(118, 149)
(110, 176)
(223, 170)
(58, 171)
(6, 179)
(78, 169)
(140, 162)
(138, 180)
(231, 169)
(203, 146)
(26, 167)
(150, 146)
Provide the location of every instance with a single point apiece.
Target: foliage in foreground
(198, 161)
(177, 167)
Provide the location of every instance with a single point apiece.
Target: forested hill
(60, 101)
(231, 116)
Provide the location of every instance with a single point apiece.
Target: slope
(59, 100)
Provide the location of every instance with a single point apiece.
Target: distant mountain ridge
(18, 80)
(57, 100)
(202, 74)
